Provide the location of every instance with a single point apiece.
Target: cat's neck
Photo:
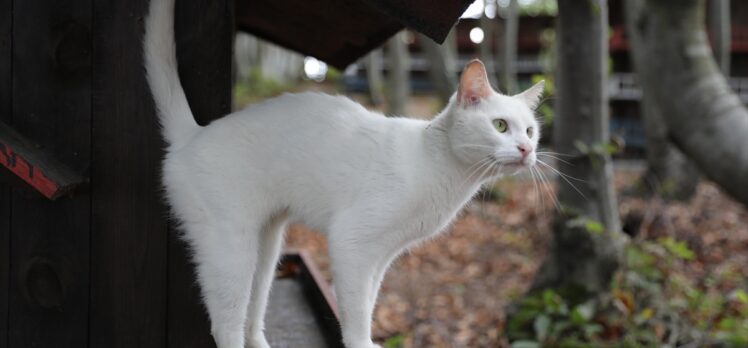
(448, 169)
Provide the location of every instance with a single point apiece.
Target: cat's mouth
(514, 164)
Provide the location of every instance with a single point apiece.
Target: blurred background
(626, 236)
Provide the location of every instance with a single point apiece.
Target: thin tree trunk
(398, 74)
(670, 174)
(485, 48)
(587, 239)
(443, 61)
(508, 72)
(374, 77)
(719, 29)
(706, 120)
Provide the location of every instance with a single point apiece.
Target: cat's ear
(532, 95)
(474, 84)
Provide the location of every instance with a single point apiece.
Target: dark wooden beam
(51, 105)
(6, 108)
(129, 239)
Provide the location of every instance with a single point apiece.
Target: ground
(454, 290)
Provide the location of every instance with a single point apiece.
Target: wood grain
(51, 105)
(129, 239)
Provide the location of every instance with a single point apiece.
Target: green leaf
(584, 311)
(541, 325)
(678, 249)
(591, 330)
(394, 341)
(525, 344)
(594, 227)
(582, 147)
(741, 296)
(589, 225)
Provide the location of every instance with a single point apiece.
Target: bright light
(490, 10)
(475, 10)
(476, 35)
(314, 69)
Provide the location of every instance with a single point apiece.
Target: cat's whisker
(555, 153)
(553, 157)
(477, 167)
(535, 185)
(551, 193)
(560, 173)
(487, 171)
(564, 177)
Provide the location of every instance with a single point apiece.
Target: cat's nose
(524, 149)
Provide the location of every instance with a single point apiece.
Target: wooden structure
(101, 267)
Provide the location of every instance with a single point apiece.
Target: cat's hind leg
(270, 243)
(226, 255)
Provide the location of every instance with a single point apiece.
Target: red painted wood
(25, 170)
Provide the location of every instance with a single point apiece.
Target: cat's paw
(364, 345)
(257, 341)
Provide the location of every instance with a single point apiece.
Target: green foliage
(546, 319)
(257, 86)
(539, 7)
(394, 342)
(589, 225)
(650, 304)
(545, 110)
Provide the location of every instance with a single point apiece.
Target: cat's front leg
(353, 276)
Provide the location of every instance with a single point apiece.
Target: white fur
(373, 185)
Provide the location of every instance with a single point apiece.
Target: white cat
(373, 185)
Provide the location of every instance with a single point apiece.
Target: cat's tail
(176, 119)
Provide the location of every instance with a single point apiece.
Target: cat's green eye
(529, 132)
(500, 125)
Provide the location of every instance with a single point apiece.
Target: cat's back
(310, 107)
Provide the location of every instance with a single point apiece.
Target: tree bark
(719, 29)
(508, 72)
(670, 174)
(443, 61)
(398, 75)
(587, 239)
(706, 120)
(374, 77)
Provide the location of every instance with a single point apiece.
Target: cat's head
(488, 127)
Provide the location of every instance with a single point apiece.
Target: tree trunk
(508, 72)
(485, 48)
(374, 77)
(719, 29)
(670, 174)
(398, 75)
(587, 239)
(443, 61)
(706, 120)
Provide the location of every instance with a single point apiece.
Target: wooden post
(6, 92)
(129, 231)
(205, 40)
(51, 105)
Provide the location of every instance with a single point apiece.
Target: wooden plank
(49, 275)
(6, 108)
(320, 297)
(129, 236)
(38, 169)
(317, 293)
(204, 31)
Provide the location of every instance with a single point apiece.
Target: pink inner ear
(474, 84)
